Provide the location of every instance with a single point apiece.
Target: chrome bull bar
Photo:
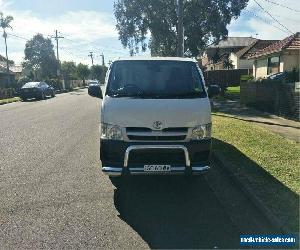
(141, 147)
(117, 171)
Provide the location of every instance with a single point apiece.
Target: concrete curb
(250, 194)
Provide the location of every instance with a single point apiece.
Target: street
(54, 195)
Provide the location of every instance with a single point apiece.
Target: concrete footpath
(284, 127)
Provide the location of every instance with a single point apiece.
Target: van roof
(182, 59)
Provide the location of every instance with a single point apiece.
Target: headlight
(201, 132)
(111, 132)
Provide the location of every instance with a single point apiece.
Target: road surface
(54, 195)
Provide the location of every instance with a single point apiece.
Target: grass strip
(268, 163)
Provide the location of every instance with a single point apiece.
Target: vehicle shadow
(174, 212)
(171, 212)
(277, 197)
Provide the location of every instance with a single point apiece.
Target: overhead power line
(20, 37)
(267, 21)
(281, 5)
(273, 17)
(93, 44)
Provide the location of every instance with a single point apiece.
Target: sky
(89, 25)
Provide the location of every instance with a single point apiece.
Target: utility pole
(103, 62)
(7, 61)
(180, 31)
(56, 37)
(92, 57)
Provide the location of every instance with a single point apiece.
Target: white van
(155, 118)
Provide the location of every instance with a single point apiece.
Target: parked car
(278, 76)
(37, 90)
(155, 118)
(94, 88)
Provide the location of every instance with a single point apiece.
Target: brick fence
(281, 99)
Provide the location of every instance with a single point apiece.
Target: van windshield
(155, 79)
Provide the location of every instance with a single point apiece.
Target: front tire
(120, 181)
(53, 94)
(43, 97)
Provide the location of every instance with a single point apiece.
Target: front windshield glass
(155, 79)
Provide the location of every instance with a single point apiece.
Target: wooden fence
(7, 93)
(281, 99)
(225, 78)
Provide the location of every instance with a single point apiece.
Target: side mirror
(95, 91)
(213, 90)
(99, 94)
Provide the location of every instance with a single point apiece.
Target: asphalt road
(54, 195)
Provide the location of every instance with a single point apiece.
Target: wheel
(116, 181)
(23, 99)
(53, 94)
(43, 97)
(119, 181)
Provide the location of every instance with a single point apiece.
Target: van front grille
(156, 138)
(147, 134)
(157, 156)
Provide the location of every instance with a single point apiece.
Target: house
(17, 70)
(240, 60)
(217, 55)
(280, 56)
(14, 70)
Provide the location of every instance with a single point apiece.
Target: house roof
(16, 68)
(291, 42)
(230, 42)
(254, 47)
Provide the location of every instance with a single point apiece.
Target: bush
(22, 81)
(282, 77)
(56, 84)
(292, 76)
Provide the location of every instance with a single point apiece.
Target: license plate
(157, 168)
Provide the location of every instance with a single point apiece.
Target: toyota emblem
(157, 125)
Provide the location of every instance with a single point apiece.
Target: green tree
(227, 63)
(40, 57)
(69, 69)
(83, 71)
(5, 23)
(98, 72)
(204, 21)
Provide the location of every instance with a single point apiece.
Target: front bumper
(119, 157)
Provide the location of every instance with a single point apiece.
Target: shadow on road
(171, 212)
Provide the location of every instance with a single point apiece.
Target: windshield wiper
(119, 95)
(134, 95)
(158, 96)
(186, 94)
